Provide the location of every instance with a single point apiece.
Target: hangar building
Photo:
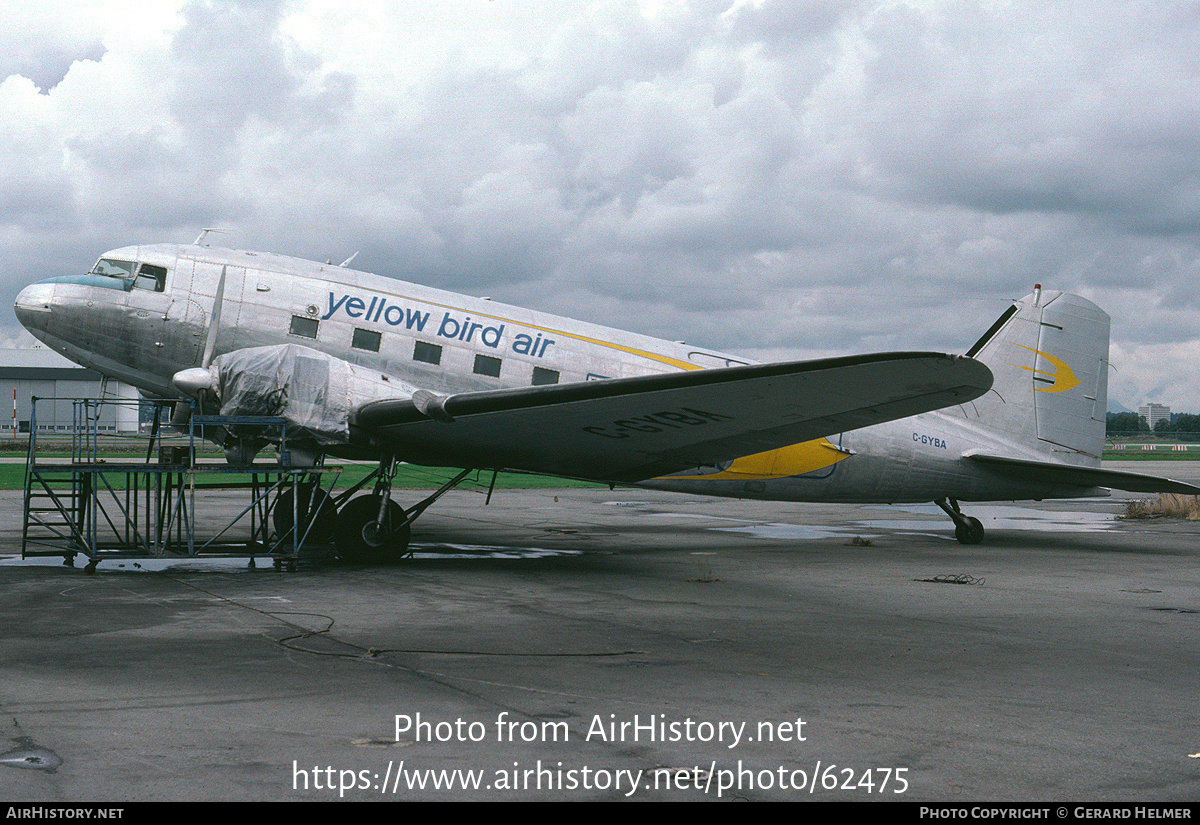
(57, 382)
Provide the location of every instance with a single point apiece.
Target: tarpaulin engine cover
(314, 392)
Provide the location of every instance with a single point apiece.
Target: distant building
(57, 382)
(1153, 413)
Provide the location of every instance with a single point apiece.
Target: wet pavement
(595, 644)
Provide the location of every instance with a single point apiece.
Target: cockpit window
(150, 277)
(135, 276)
(114, 268)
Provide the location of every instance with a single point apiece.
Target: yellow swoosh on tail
(1064, 379)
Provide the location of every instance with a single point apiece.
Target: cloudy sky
(777, 178)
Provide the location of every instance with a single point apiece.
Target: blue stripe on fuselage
(91, 280)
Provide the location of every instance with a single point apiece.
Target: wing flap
(631, 429)
(1073, 476)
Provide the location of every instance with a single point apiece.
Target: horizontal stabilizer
(1071, 475)
(630, 429)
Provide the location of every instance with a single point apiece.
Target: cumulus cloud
(767, 177)
(41, 41)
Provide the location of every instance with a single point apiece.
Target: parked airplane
(366, 366)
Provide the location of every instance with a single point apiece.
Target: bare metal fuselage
(145, 337)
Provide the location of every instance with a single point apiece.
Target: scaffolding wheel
(90, 567)
(69, 561)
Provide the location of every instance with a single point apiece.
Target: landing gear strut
(967, 529)
(373, 528)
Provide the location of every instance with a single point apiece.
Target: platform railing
(139, 494)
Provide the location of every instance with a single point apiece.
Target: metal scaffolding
(104, 500)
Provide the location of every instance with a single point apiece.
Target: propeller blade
(214, 322)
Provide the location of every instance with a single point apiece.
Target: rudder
(1049, 355)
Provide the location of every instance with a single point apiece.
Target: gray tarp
(316, 393)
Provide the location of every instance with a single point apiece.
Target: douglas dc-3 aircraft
(363, 366)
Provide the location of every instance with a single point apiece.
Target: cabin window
(487, 365)
(366, 339)
(304, 327)
(541, 376)
(428, 353)
(153, 278)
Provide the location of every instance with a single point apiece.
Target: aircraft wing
(631, 429)
(1070, 475)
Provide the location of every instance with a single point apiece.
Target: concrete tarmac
(582, 644)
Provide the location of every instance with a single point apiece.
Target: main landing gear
(373, 528)
(967, 529)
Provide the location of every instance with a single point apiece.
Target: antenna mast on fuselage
(200, 238)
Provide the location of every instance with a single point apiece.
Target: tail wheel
(969, 533)
(360, 540)
(967, 529)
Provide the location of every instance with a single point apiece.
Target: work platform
(134, 496)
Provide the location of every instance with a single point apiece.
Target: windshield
(114, 268)
(153, 278)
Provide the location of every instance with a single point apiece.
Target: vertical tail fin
(1049, 355)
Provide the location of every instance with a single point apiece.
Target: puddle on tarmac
(993, 517)
(1000, 517)
(771, 530)
(483, 551)
(420, 550)
(791, 531)
(30, 756)
(146, 565)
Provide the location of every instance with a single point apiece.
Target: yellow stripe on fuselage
(653, 356)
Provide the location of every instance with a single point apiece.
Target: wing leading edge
(631, 429)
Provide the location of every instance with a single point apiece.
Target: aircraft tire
(323, 523)
(359, 541)
(969, 533)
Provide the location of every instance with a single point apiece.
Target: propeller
(214, 322)
(195, 380)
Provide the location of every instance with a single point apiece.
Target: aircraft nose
(33, 305)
